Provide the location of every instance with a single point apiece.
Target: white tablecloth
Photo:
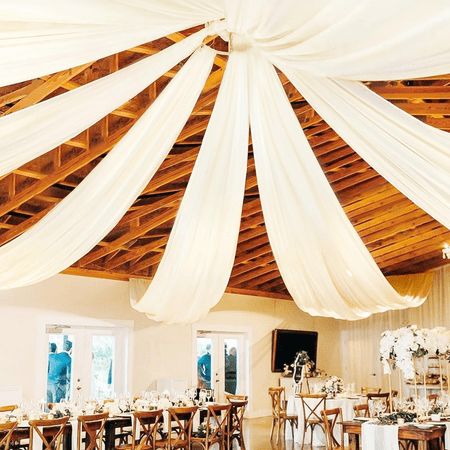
(345, 403)
(376, 437)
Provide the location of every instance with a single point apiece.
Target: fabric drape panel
(86, 215)
(194, 271)
(414, 286)
(323, 262)
(363, 337)
(411, 155)
(42, 37)
(30, 132)
(331, 38)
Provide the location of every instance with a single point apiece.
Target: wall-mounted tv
(286, 344)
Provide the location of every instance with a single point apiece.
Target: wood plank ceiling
(401, 237)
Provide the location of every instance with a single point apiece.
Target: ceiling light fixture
(446, 251)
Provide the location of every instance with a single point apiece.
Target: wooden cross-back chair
(239, 397)
(381, 396)
(7, 408)
(6, 431)
(93, 425)
(235, 429)
(50, 431)
(332, 418)
(180, 428)
(312, 405)
(370, 390)
(279, 412)
(149, 424)
(216, 427)
(361, 410)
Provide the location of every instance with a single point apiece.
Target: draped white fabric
(30, 132)
(199, 256)
(411, 155)
(355, 336)
(323, 262)
(88, 213)
(353, 39)
(41, 37)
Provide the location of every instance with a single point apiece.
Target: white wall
(158, 351)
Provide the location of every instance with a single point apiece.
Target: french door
(220, 362)
(85, 363)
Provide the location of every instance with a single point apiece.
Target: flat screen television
(286, 344)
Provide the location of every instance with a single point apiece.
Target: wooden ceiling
(401, 237)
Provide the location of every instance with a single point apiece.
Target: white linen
(30, 132)
(331, 38)
(323, 262)
(200, 252)
(376, 437)
(410, 154)
(89, 212)
(46, 36)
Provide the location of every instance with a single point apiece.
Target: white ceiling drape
(30, 132)
(200, 252)
(325, 266)
(89, 212)
(411, 155)
(323, 262)
(42, 37)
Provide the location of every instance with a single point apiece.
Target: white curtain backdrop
(41, 37)
(196, 266)
(30, 132)
(88, 213)
(363, 337)
(323, 262)
(411, 155)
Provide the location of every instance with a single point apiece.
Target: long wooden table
(427, 439)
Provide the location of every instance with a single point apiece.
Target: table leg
(421, 445)
(353, 441)
(110, 435)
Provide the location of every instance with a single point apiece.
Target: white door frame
(121, 328)
(245, 332)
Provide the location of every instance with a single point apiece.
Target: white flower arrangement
(400, 347)
(334, 385)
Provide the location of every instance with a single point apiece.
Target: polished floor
(257, 433)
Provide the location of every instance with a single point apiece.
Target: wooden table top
(409, 432)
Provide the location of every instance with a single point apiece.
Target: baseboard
(258, 413)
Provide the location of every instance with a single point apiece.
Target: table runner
(376, 437)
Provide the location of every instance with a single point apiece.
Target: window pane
(102, 373)
(204, 368)
(231, 349)
(59, 367)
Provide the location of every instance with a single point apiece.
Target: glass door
(85, 363)
(221, 363)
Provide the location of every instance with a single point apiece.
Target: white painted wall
(157, 351)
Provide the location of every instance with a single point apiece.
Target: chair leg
(278, 429)
(305, 430)
(273, 426)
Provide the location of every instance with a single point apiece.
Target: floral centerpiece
(334, 385)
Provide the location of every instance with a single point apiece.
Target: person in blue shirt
(59, 370)
(204, 369)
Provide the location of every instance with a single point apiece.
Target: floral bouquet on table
(334, 385)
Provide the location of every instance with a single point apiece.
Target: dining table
(430, 438)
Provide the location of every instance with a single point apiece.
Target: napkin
(376, 437)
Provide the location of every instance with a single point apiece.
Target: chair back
(236, 397)
(361, 410)
(6, 431)
(331, 418)
(382, 397)
(8, 408)
(433, 398)
(277, 395)
(93, 426)
(149, 422)
(312, 405)
(217, 421)
(180, 426)
(50, 431)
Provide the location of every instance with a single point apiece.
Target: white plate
(424, 426)
(362, 419)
